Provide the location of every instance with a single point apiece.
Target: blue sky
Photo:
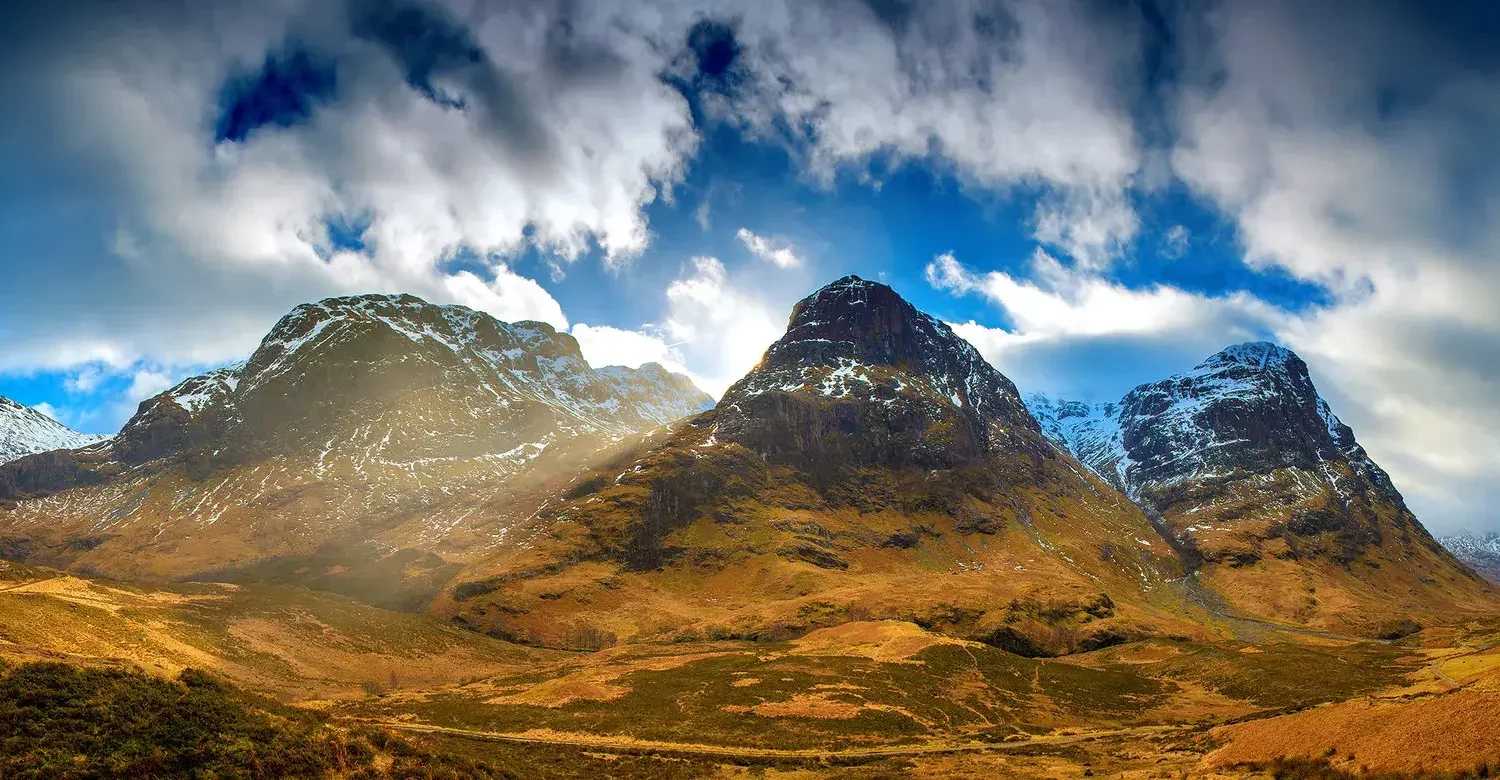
(1095, 194)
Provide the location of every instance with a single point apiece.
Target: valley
(873, 556)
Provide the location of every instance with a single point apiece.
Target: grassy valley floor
(286, 674)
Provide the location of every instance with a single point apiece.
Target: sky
(1095, 193)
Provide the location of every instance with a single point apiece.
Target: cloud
(777, 253)
(86, 380)
(147, 382)
(508, 132)
(1341, 139)
(604, 345)
(50, 410)
(242, 159)
(216, 166)
(1063, 317)
(1175, 242)
(714, 330)
(508, 296)
(1020, 95)
(1059, 301)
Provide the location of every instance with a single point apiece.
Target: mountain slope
(379, 421)
(1481, 553)
(24, 431)
(1246, 467)
(872, 464)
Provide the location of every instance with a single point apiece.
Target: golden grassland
(860, 698)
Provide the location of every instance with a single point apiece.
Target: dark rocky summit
(862, 377)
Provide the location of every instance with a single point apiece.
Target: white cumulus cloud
(775, 252)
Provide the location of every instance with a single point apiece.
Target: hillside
(872, 465)
(66, 721)
(292, 642)
(360, 428)
(1268, 495)
(24, 431)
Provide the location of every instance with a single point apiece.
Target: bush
(61, 721)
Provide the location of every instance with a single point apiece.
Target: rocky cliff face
(373, 419)
(24, 431)
(1248, 469)
(872, 463)
(863, 378)
(1251, 407)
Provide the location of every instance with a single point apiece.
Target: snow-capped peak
(1481, 552)
(1257, 354)
(25, 431)
(329, 355)
(1251, 406)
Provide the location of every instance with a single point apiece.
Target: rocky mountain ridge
(857, 345)
(1250, 406)
(872, 463)
(25, 431)
(391, 443)
(1247, 469)
(378, 419)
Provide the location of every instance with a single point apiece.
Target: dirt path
(1436, 667)
(631, 746)
(28, 584)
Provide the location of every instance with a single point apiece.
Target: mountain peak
(895, 372)
(1250, 406)
(852, 319)
(1255, 354)
(24, 431)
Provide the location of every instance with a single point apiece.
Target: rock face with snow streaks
(1251, 407)
(1246, 466)
(872, 463)
(377, 419)
(862, 377)
(1480, 552)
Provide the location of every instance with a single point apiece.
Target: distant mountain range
(24, 431)
(1480, 552)
(872, 465)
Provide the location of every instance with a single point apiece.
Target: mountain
(377, 421)
(1267, 493)
(24, 431)
(872, 464)
(1481, 553)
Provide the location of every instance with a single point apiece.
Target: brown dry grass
(589, 685)
(808, 705)
(265, 639)
(882, 640)
(1453, 731)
